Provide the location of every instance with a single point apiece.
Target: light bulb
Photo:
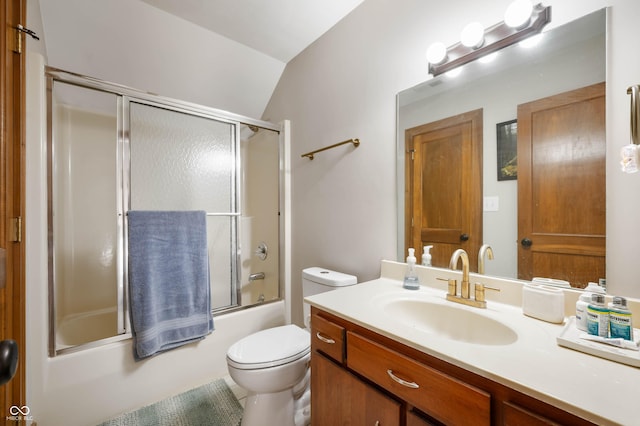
(518, 13)
(436, 53)
(472, 35)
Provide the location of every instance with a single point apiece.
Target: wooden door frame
(12, 191)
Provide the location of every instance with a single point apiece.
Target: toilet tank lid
(328, 277)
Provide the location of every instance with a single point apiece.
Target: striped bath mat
(210, 404)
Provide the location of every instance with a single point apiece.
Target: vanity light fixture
(522, 20)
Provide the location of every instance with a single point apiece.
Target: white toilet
(272, 365)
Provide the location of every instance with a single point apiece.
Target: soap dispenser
(411, 281)
(426, 255)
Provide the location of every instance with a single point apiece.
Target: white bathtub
(86, 327)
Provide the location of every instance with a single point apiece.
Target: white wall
(132, 43)
(344, 85)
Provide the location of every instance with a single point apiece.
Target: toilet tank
(317, 280)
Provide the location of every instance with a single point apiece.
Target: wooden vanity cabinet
(359, 377)
(339, 397)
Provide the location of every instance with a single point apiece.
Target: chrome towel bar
(355, 142)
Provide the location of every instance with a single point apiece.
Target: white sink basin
(450, 321)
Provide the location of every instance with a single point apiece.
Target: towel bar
(635, 113)
(355, 142)
(216, 214)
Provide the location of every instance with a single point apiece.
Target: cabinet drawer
(327, 337)
(441, 396)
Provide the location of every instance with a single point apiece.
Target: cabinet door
(340, 398)
(415, 420)
(515, 415)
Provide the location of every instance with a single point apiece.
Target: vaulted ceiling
(227, 54)
(278, 28)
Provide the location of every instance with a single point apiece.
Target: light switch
(491, 204)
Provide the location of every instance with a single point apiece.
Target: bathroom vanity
(374, 358)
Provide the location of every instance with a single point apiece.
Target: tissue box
(543, 302)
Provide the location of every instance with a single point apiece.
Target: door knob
(526, 242)
(8, 360)
(464, 237)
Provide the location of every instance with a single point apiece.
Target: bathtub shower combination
(113, 149)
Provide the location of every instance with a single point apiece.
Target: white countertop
(599, 390)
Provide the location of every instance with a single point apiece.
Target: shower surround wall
(94, 384)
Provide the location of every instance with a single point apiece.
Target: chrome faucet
(484, 250)
(453, 263)
(465, 298)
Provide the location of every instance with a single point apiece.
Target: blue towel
(169, 291)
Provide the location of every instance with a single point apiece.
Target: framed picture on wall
(507, 141)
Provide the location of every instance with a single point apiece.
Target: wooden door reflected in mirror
(444, 187)
(561, 186)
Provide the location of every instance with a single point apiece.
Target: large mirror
(565, 58)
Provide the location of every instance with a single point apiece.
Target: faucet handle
(451, 285)
(479, 291)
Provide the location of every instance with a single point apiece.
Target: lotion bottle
(426, 255)
(581, 311)
(411, 281)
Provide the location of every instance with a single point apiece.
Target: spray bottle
(411, 281)
(426, 255)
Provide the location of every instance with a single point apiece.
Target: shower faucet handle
(261, 251)
(256, 276)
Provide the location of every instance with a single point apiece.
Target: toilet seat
(270, 348)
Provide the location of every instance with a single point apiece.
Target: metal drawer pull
(412, 385)
(324, 339)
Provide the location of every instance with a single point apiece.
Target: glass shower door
(113, 149)
(83, 195)
(181, 161)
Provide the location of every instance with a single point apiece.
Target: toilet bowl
(269, 364)
(273, 364)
